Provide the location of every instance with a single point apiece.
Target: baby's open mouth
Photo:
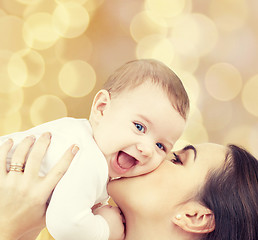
(125, 161)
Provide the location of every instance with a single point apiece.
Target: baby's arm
(114, 219)
(69, 215)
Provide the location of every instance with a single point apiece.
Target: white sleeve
(69, 214)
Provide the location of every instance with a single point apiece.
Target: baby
(134, 122)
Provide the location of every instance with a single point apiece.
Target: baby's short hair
(136, 72)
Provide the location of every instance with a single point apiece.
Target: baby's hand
(114, 219)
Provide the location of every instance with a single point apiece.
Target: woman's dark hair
(232, 194)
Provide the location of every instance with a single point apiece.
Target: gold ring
(17, 167)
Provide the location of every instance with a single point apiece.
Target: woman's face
(172, 183)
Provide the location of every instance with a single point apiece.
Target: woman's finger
(58, 171)
(4, 149)
(37, 154)
(20, 154)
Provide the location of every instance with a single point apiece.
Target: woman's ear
(100, 103)
(195, 218)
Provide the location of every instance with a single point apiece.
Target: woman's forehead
(211, 153)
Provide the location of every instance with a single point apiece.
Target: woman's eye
(161, 146)
(176, 160)
(140, 127)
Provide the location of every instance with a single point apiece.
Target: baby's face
(137, 130)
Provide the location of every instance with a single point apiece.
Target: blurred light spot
(7, 85)
(194, 34)
(183, 63)
(46, 6)
(165, 8)
(254, 140)
(77, 78)
(239, 135)
(191, 86)
(250, 96)
(70, 19)
(11, 102)
(229, 14)
(195, 115)
(47, 108)
(195, 133)
(155, 46)
(144, 24)
(29, 2)
(223, 81)
(26, 68)
(79, 48)
(92, 5)
(217, 116)
(75, 1)
(10, 124)
(11, 33)
(38, 31)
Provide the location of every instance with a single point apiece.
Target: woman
(203, 192)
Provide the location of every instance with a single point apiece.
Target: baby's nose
(145, 149)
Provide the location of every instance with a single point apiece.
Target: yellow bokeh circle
(47, 108)
(70, 19)
(194, 34)
(165, 8)
(229, 15)
(155, 46)
(239, 135)
(38, 31)
(26, 68)
(77, 1)
(250, 96)
(223, 81)
(77, 78)
(144, 24)
(195, 133)
(7, 85)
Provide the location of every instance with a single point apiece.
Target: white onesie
(69, 214)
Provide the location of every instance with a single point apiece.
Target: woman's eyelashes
(176, 160)
(140, 127)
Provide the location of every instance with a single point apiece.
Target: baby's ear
(195, 218)
(100, 103)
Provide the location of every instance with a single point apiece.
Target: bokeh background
(56, 54)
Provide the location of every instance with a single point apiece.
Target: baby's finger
(4, 149)
(37, 154)
(58, 171)
(20, 154)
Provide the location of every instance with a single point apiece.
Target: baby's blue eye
(160, 146)
(139, 127)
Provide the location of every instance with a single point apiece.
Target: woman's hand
(23, 195)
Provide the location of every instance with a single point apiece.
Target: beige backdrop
(55, 55)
